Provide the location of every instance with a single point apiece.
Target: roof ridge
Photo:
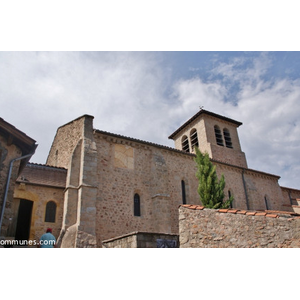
(200, 112)
(44, 165)
(143, 142)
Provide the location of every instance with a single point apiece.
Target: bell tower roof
(198, 114)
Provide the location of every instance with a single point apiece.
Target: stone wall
(292, 197)
(126, 167)
(8, 152)
(250, 187)
(142, 240)
(65, 142)
(153, 172)
(207, 228)
(74, 148)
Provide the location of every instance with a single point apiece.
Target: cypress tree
(210, 189)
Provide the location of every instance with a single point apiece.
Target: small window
(219, 137)
(50, 212)
(137, 205)
(183, 192)
(227, 138)
(267, 203)
(229, 195)
(194, 139)
(185, 144)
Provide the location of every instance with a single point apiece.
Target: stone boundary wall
(139, 240)
(231, 228)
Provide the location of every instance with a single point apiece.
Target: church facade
(105, 185)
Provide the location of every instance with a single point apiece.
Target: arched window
(183, 192)
(185, 144)
(227, 138)
(136, 205)
(219, 137)
(194, 138)
(50, 212)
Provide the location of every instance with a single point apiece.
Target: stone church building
(97, 185)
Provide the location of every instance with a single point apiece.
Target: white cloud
(42, 91)
(191, 94)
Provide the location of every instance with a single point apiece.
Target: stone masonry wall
(139, 240)
(152, 172)
(73, 148)
(7, 153)
(292, 199)
(258, 185)
(126, 167)
(223, 228)
(65, 141)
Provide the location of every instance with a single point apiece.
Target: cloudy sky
(147, 95)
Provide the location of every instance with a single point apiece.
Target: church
(97, 186)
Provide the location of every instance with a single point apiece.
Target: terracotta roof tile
(260, 214)
(223, 210)
(232, 211)
(200, 207)
(272, 215)
(251, 213)
(186, 205)
(281, 212)
(193, 206)
(267, 213)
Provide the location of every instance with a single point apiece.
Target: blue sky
(40, 91)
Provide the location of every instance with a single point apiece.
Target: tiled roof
(22, 140)
(176, 150)
(265, 213)
(142, 142)
(200, 112)
(38, 174)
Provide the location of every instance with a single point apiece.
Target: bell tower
(212, 133)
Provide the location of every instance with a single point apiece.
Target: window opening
(185, 144)
(219, 138)
(137, 205)
(183, 192)
(50, 212)
(229, 195)
(194, 139)
(267, 203)
(227, 138)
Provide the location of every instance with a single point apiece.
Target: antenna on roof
(201, 107)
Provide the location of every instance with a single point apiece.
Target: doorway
(24, 220)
